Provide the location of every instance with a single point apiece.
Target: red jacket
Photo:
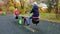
(16, 12)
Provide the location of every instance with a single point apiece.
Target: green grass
(49, 17)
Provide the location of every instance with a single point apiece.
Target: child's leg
(28, 20)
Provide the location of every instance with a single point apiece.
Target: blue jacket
(35, 11)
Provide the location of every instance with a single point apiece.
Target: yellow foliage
(11, 4)
(11, 8)
(41, 10)
(17, 4)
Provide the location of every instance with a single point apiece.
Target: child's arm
(32, 10)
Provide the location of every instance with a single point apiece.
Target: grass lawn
(49, 17)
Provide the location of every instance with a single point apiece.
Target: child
(16, 12)
(35, 15)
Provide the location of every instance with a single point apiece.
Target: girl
(16, 12)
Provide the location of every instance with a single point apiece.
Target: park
(49, 17)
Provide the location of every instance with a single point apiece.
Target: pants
(28, 19)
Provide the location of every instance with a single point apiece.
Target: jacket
(35, 11)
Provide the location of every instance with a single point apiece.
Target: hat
(35, 3)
